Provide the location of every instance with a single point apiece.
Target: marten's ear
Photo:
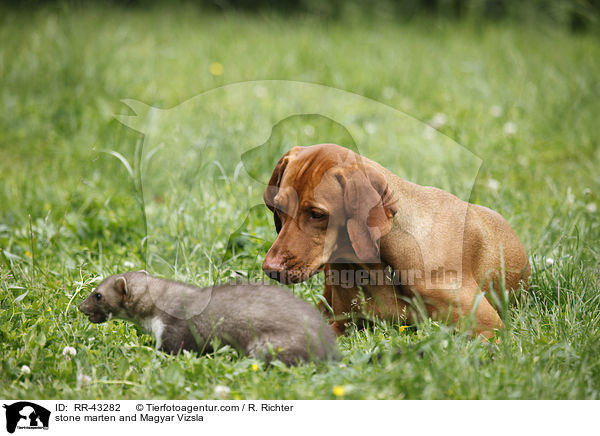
(121, 285)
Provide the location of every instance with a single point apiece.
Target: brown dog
(374, 232)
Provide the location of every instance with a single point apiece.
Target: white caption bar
(265, 417)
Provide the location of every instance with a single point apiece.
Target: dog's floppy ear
(275, 182)
(369, 206)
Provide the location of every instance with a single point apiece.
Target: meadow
(524, 99)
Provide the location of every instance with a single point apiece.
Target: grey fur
(262, 321)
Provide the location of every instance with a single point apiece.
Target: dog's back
(488, 228)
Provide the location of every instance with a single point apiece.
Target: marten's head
(109, 298)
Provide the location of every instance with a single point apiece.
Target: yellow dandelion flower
(402, 328)
(339, 391)
(254, 367)
(49, 309)
(216, 69)
(28, 253)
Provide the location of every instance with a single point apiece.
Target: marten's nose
(82, 307)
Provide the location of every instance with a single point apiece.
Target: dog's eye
(316, 215)
(98, 296)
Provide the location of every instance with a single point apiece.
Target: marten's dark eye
(98, 296)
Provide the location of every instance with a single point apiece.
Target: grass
(524, 99)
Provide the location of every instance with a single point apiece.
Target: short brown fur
(335, 210)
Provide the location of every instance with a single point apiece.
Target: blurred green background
(576, 15)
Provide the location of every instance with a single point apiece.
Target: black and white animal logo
(26, 415)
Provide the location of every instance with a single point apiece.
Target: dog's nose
(272, 269)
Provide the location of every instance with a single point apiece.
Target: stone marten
(265, 322)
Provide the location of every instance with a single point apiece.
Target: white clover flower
(549, 261)
(523, 161)
(69, 352)
(388, 92)
(438, 120)
(309, 130)
(429, 133)
(128, 264)
(493, 184)
(370, 128)
(510, 128)
(591, 207)
(496, 111)
(83, 380)
(25, 370)
(570, 196)
(221, 391)
(260, 91)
